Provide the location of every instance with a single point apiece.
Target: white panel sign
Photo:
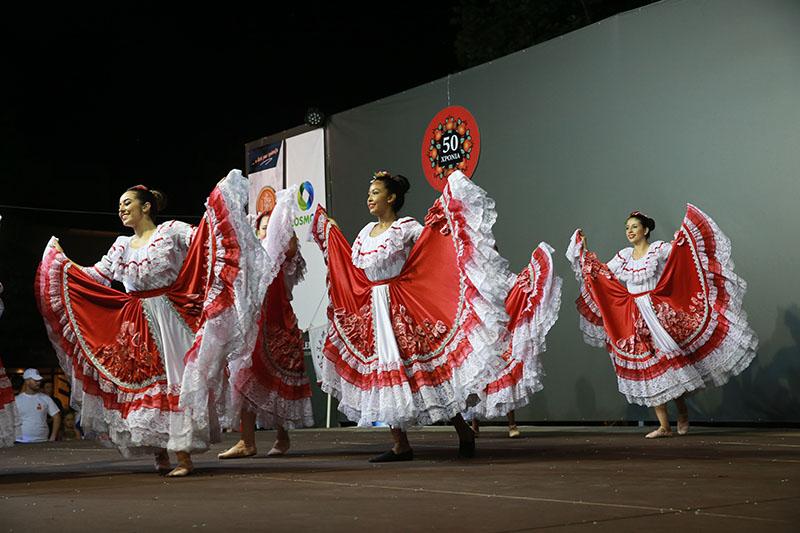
(305, 167)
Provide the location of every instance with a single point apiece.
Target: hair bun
(161, 200)
(403, 182)
(396, 184)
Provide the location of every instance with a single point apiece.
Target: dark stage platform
(599, 479)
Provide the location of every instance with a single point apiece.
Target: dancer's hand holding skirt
(688, 332)
(147, 366)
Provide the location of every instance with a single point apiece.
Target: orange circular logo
(266, 200)
(451, 142)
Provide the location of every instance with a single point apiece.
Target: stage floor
(564, 478)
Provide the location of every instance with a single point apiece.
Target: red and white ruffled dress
(416, 316)
(532, 305)
(672, 321)
(273, 383)
(9, 418)
(147, 366)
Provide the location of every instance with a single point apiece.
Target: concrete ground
(560, 479)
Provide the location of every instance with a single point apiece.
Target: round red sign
(266, 200)
(451, 142)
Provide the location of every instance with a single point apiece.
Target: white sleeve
(103, 270)
(412, 231)
(52, 408)
(616, 262)
(573, 254)
(664, 250)
(181, 233)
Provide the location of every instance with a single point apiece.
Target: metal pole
(328, 413)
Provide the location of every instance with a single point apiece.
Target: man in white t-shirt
(34, 407)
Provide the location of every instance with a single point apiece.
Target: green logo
(305, 196)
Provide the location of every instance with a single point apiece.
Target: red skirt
(275, 387)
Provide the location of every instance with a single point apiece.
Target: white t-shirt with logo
(33, 410)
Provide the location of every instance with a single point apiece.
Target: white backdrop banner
(305, 166)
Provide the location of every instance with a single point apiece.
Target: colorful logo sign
(266, 200)
(305, 196)
(451, 142)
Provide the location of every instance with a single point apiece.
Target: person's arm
(103, 271)
(56, 426)
(57, 245)
(575, 251)
(292, 250)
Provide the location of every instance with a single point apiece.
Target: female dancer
(532, 305)
(274, 390)
(670, 314)
(416, 316)
(9, 418)
(147, 366)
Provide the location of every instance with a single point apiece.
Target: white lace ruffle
(383, 257)
(150, 267)
(485, 268)
(273, 410)
(573, 255)
(528, 342)
(280, 230)
(489, 273)
(398, 405)
(643, 270)
(593, 335)
(673, 383)
(316, 340)
(231, 334)
(10, 424)
(49, 289)
(533, 332)
(739, 347)
(142, 431)
(267, 259)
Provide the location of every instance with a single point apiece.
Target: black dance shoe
(466, 449)
(390, 457)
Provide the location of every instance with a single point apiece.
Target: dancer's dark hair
(156, 199)
(645, 221)
(396, 184)
(259, 218)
